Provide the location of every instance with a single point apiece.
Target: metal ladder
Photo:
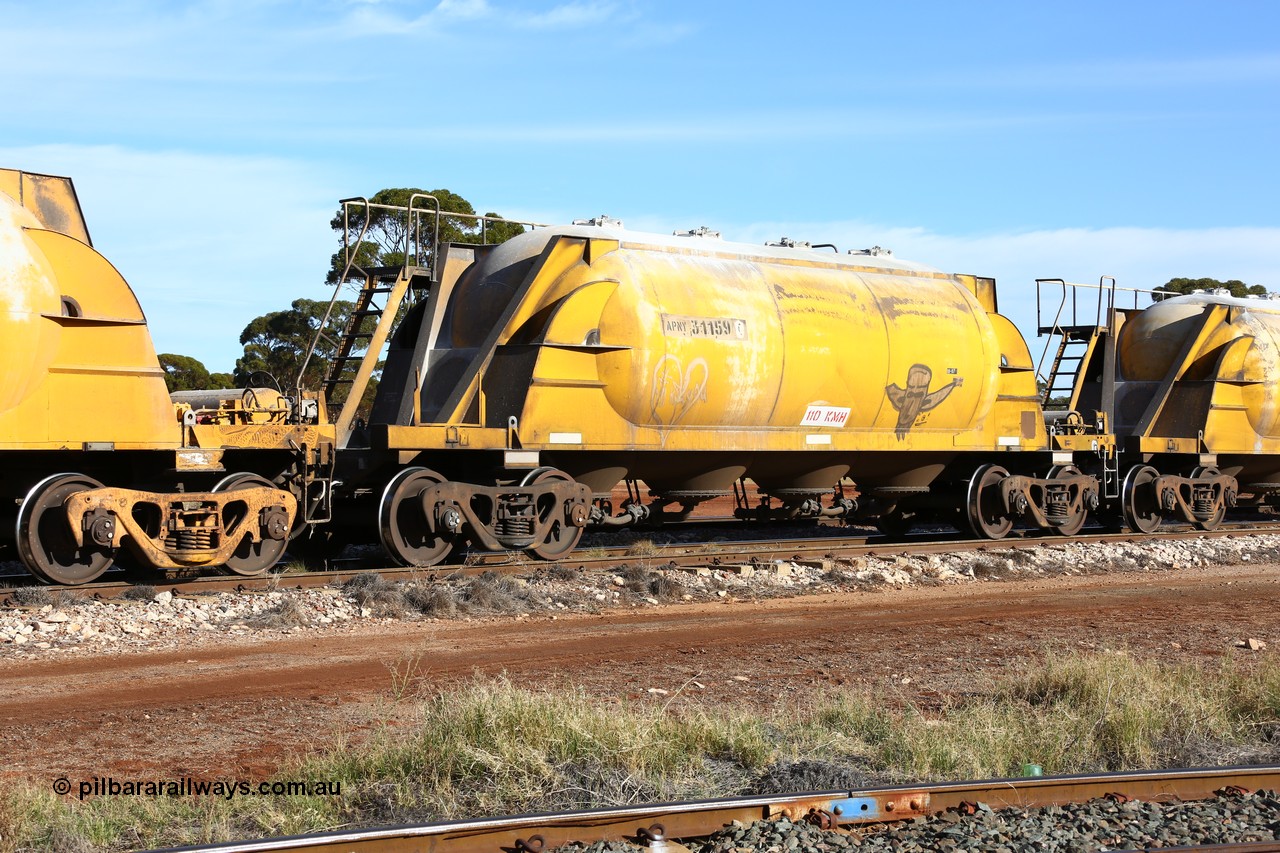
(1072, 348)
(356, 337)
(359, 342)
(1076, 332)
(1073, 328)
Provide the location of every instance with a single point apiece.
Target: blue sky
(210, 141)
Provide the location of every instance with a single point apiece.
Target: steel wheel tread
(403, 528)
(251, 558)
(562, 537)
(43, 536)
(1141, 510)
(984, 507)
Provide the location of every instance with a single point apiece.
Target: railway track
(682, 826)
(686, 555)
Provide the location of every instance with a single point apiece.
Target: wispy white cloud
(581, 13)
(213, 42)
(1141, 258)
(381, 19)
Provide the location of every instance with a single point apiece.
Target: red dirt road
(239, 710)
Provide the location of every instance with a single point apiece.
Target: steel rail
(681, 555)
(656, 824)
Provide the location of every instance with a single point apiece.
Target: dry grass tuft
(491, 748)
(373, 591)
(561, 572)
(39, 596)
(636, 578)
(643, 548)
(432, 599)
(495, 593)
(141, 592)
(666, 588)
(287, 613)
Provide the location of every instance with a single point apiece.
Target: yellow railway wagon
(96, 460)
(547, 370)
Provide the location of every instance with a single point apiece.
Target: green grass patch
(490, 748)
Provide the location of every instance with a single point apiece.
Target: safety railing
(415, 232)
(419, 223)
(1068, 312)
(1070, 317)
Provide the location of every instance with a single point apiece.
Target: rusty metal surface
(686, 820)
(196, 528)
(51, 198)
(1243, 847)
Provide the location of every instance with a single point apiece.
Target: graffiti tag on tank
(916, 399)
(720, 328)
(677, 388)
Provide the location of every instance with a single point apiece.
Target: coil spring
(514, 525)
(190, 539)
(1056, 507)
(1204, 503)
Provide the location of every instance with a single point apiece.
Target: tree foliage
(275, 347)
(1188, 285)
(184, 373)
(276, 344)
(392, 234)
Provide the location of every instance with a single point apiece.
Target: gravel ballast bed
(51, 623)
(1101, 824)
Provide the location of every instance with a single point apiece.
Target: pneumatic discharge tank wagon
(571, 359)
(523, 384)
(529, 379)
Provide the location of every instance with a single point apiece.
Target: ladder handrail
(1156, 294)
(414, 227)
(420, 252)
(1111, 301)
(1048, 338)
(411, 213)
(1109, 291)
(350, 259)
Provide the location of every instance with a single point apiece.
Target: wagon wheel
(984, 505)
(403, 526)
(44, 538)
(562, 537)
(1076, 520)
(1139, 501)
(1220, 510)
(250, 557)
